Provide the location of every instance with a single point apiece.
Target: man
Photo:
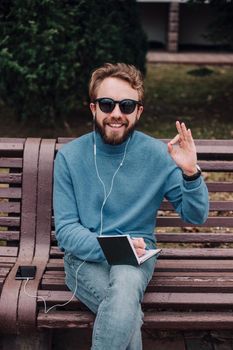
(112, 181)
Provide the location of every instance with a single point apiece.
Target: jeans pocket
(71, 263)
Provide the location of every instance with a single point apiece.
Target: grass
(203, 101)
(201, 97)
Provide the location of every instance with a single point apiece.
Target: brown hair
(122, 71)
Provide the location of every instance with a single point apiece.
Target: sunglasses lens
(106, 105)
(127, 106)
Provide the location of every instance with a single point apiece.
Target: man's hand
(139, 245)
(182, 149)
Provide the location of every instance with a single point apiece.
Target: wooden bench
(193, 280)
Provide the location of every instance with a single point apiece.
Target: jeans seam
(100, 316)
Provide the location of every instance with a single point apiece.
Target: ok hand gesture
(182, 149)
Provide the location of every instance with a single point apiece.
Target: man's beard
(114, 139)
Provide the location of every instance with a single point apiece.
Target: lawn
(200, 96)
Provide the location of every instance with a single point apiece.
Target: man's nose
(116, 111)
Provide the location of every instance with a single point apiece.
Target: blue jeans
(114, 294)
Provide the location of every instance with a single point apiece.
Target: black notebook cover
(119, 250)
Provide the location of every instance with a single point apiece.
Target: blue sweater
(147, 176)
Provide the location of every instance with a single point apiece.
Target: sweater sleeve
(71, 235)
(189, 198)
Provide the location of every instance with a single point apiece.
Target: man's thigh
(88, 280)
(91, 281)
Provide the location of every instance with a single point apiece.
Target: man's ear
(93, 109)
(140, 110)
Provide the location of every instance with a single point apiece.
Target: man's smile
(115, 125)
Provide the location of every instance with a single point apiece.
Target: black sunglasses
(107, 105)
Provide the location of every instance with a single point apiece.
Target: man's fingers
(140, 251)
(182, 130)
(189, 136)
(178, 127)
(139, 243)
(175, 140)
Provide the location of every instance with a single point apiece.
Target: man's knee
(128, 282)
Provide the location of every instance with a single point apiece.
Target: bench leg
(40, 340)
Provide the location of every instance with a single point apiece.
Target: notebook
(119, 250)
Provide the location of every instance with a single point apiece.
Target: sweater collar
(107, 148)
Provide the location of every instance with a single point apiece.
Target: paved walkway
(190, 57)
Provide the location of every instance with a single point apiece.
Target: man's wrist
(192, 175)
(190, 172)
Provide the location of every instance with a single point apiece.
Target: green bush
(48, 49)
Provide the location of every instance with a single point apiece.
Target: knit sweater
(147, 176)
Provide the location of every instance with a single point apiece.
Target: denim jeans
(114, 294)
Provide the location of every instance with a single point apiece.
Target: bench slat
(220, 186)
(9, 221)
(217, 150)
(7, 261)
(170, 283)
(8, 251)
(220, 166)
(189, 320)
(10, 207)
(10, 178)
(10, 192)
(214, 205)
(220, 221)
(58, 274)
(182, 253)
(11, 162)
(194, 265)
(194, 274)
(212, 142)
(4, 271)
(72, 320)
(183, 300)
(11, 146)
(197, 237)
(159, 320)
(197, 253)
(9, 235)
(159, 300)
(12, 140)
(172, 265)
(190, 284)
